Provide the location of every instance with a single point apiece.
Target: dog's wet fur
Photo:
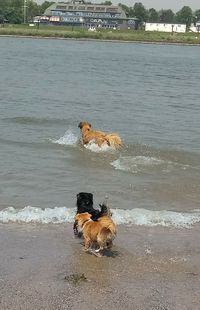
(98, 137)
(84, 204)
(100, 233)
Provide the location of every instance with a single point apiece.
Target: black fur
(85, 204)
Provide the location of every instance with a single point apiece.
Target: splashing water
(69, 138)
(93, 147)
(135, 164)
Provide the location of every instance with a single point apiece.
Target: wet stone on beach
(75, 278)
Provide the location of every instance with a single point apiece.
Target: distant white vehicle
(165, 27)
(92, 29)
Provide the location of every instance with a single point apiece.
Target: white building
(195, 28)
(165, 27)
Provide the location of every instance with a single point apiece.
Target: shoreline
(101, 40)
(44, 267)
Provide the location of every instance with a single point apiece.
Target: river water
(147, 93)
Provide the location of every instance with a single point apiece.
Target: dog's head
(85, 126)
(84, 202)
(82, 218)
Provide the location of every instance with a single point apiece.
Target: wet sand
(44, 267)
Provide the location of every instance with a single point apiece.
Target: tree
(166, 16)
(125, 8)
(140, 12)
(12, 11)
(196, 16)
(32, 10)
(44, 6)
(153, 16)
(185, 16)
(107, 3)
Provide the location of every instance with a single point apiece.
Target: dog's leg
(101, 247)
(88, 248)
(75, 229)
(96, 254)
(87, 245)
(109, 245)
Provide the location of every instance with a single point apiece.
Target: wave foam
(144, 217)
(69, 138)
(135, 216)
(37, 215)
(137, 164)
(92, 146)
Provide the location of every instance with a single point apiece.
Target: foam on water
(92, 146)
(136, 216)
(69, 138)
(37, 215)
(137, 164)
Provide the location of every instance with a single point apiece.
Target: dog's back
(107, 222)
(102, 232)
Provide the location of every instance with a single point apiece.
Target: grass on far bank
(102, 34)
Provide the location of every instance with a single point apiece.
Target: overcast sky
(175, 5)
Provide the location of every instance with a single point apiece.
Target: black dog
(85, 204)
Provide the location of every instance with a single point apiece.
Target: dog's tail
(106, 235)
(105, 209)
(113, 139)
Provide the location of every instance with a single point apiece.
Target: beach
(44, 267)
(149, 95)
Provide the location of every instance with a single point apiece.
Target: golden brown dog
(102, 231)
(99, 137)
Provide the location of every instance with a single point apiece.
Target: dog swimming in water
(99, 137)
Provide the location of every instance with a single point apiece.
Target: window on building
(61, 7)
(100, 8)
(111, 9)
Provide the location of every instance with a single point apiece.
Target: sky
(174, 5)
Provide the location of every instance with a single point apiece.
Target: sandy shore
(44, 267)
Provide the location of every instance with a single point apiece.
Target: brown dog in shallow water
(99, 137)
(102, 231)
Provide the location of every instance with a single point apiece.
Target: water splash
(135, 164)
(69, 138)
(136, 216)
(93, 147)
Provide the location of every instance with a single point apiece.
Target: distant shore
(44, 267)
(103, 40)
(102, 35)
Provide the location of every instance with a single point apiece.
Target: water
(149, 94)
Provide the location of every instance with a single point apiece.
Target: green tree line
(13, 12)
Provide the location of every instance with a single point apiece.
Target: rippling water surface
(149, 94)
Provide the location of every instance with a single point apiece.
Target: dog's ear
(80, 125)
